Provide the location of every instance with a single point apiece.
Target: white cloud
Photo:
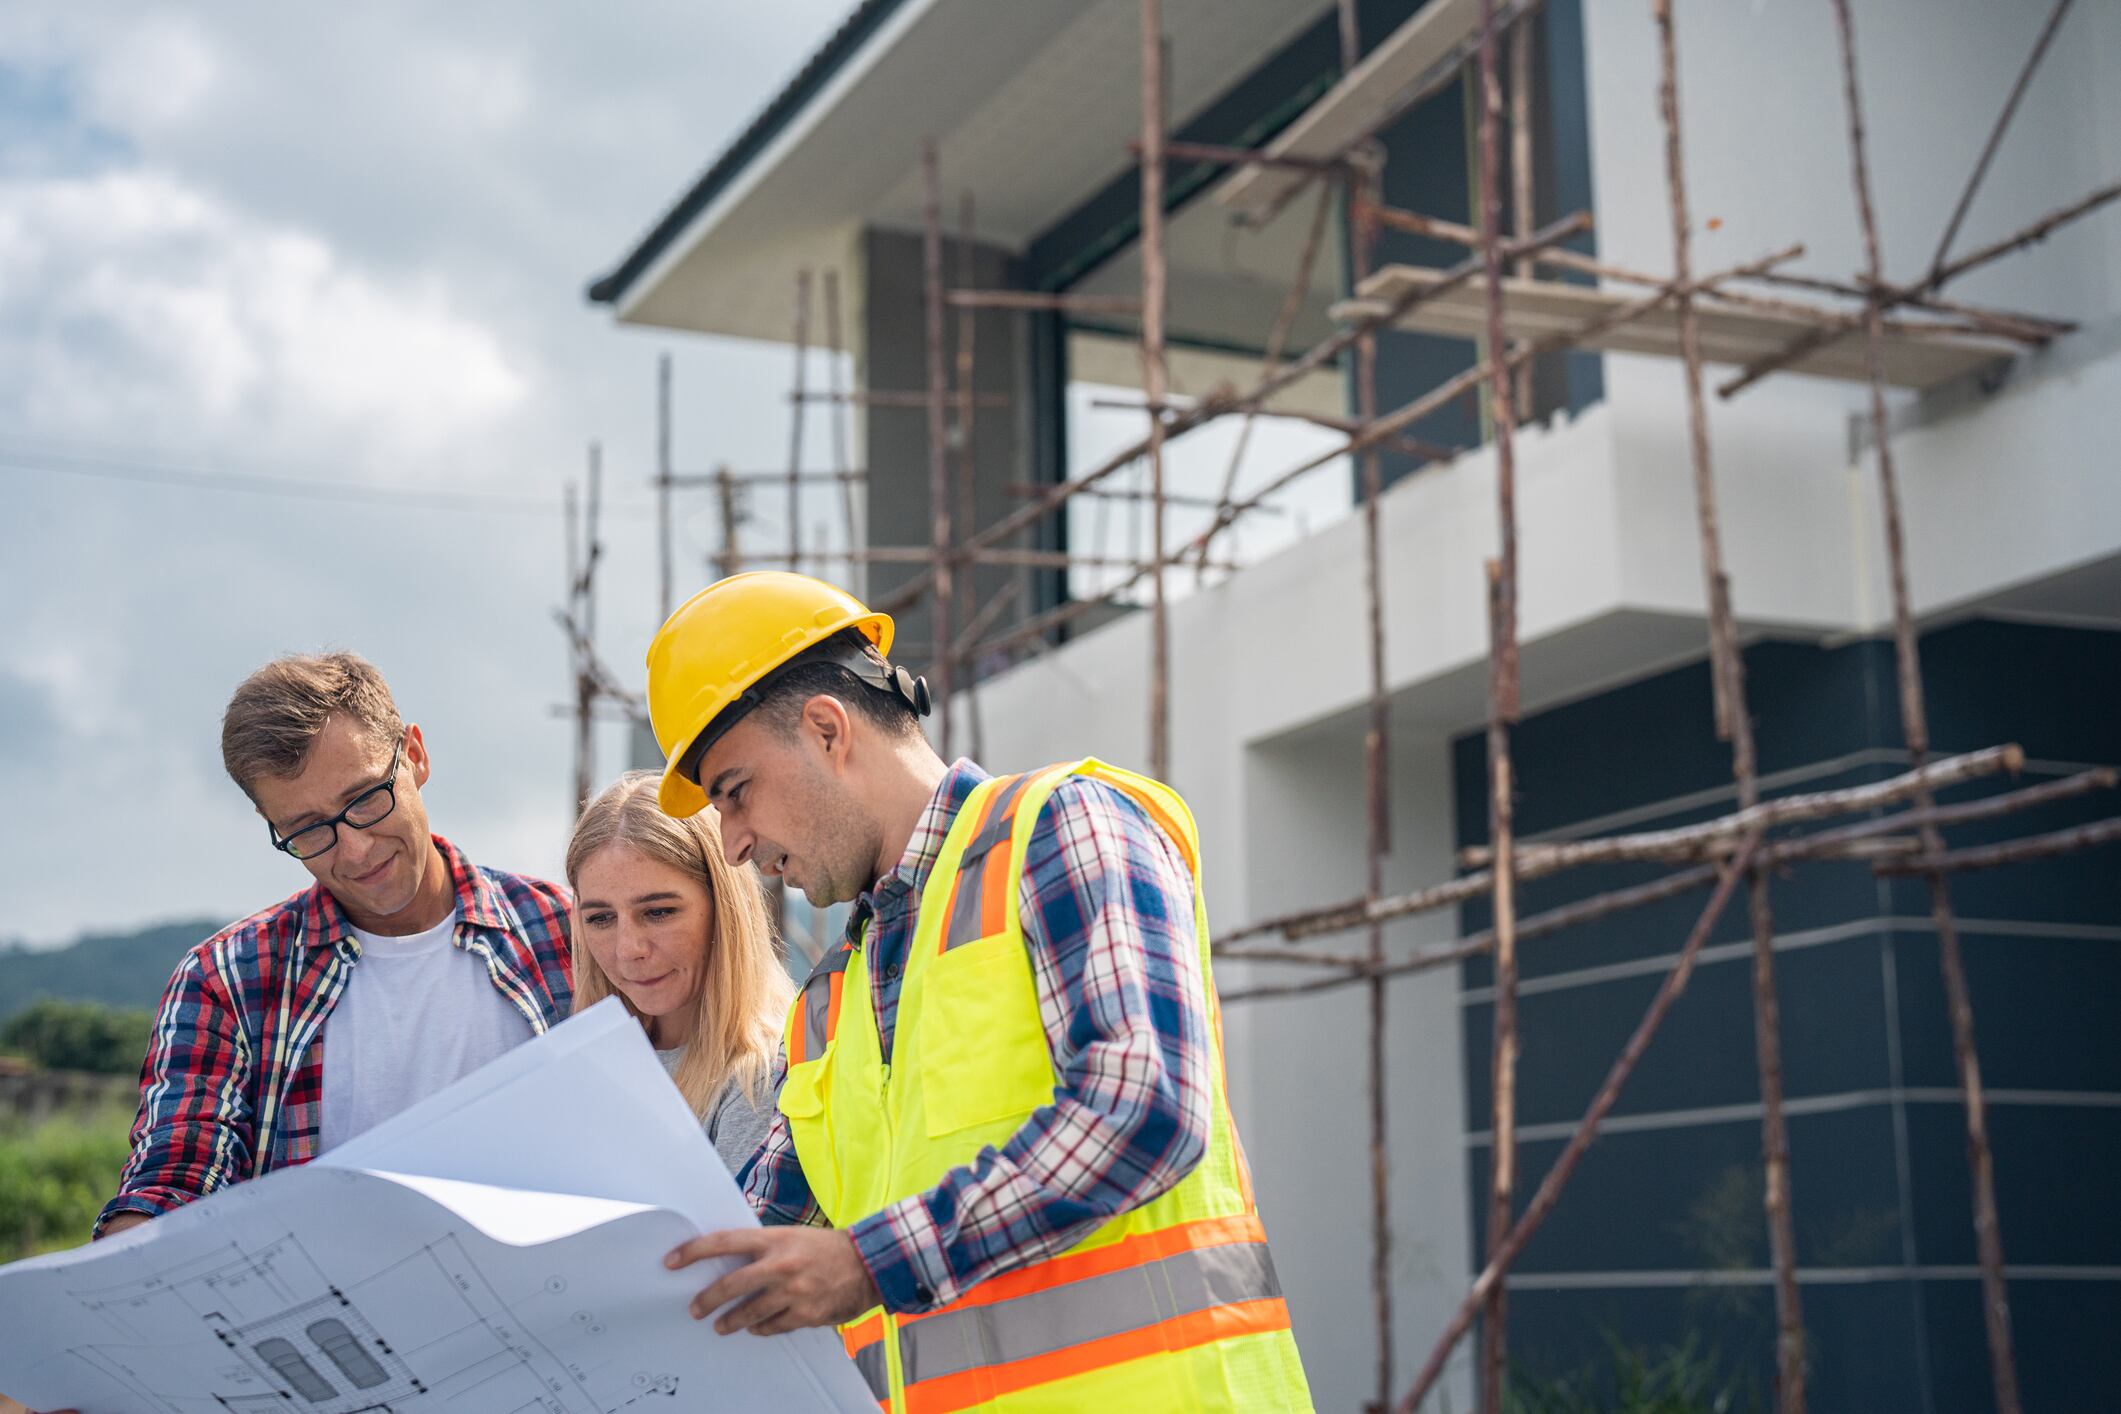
(331, 241)
(151, 73)
(129, 297)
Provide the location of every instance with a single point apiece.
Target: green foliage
(78, 1036)
(117, 969)
(55, 1176)
(1683, 1379)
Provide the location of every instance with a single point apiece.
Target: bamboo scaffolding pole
(1355, 913)
(1379, 430)
(2030, 329)
(1521, 165)
(798, 414)
(1719, 846)
(840, 471)
(1455, 387)
(1208, 409)
(1346, 426)
(2047, 846)
(727, 560)
(1465, 381)
(1502, 714)
(1995, 136)
(1377, 744)
(663, 484)
(1109, 493)
(1695, 842)
(1246, 157)
(1155, 374)
(1243, 157)
(1863, 840)
(1292, 305)
(1039, 301)
(943, 552)
(1506, 1250)
(2016, 324)
(980, 622)
(1892, 296)
(570, 513)
(1914, 719)
(967, 479)
(904, 399)
(1734, 724)
(1000, 555)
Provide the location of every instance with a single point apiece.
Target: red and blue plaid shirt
(234, 1077)
(1107, 906)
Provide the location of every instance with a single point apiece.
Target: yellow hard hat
(723, 641)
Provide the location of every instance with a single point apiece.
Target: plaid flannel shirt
(1107, 905)
(234, 1077)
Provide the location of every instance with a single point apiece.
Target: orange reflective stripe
(956, 928)
(978, 906)
(990, 1382)
(1163, 821)
(814, 1018)
(864, 1332)
(1127, 1252)
(993, 895)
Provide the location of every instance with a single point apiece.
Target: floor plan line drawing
(331, 1289)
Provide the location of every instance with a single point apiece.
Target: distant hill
(116, 969)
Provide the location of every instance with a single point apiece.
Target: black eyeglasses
(370, 807)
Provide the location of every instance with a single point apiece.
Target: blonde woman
(683, 938)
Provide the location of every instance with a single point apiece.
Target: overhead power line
(106, 468)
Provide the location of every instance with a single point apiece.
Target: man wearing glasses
(419, 964)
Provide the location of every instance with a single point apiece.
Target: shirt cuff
(147, 1203)
(904, 1254)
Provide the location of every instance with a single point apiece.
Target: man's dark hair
(815, 671)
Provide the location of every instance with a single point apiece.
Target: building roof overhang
(1032, 105)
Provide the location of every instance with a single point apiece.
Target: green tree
(61, 1035)
(55, 1177)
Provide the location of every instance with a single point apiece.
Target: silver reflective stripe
(870, 1361)
(817, 1001)
(965, 911)
(817, 1011)
(1043, 1322)
(964, 923)
(996, 830)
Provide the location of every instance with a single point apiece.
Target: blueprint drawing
(335, 1289)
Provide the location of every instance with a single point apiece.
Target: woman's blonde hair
(744, 989)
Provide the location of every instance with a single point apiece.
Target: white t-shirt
(417, 1013)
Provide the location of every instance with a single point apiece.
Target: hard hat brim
(680, 799)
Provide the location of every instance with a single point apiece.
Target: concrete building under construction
(1272, 695)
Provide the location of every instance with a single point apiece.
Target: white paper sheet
(494, 1250)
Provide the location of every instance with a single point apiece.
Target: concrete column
(893, 358)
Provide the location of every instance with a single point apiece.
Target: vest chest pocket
(983, 1047)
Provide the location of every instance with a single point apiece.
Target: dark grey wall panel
(1880, 1183)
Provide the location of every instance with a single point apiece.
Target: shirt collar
(324, 921)
(925, 845)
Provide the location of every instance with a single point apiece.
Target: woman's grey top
(734, 1126)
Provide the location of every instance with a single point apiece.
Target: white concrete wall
(1269, 669)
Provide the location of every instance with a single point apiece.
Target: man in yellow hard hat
(1003, 1163)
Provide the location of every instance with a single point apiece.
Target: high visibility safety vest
(1173, 1306)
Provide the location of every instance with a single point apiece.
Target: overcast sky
(329, 244)
(344, 247)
